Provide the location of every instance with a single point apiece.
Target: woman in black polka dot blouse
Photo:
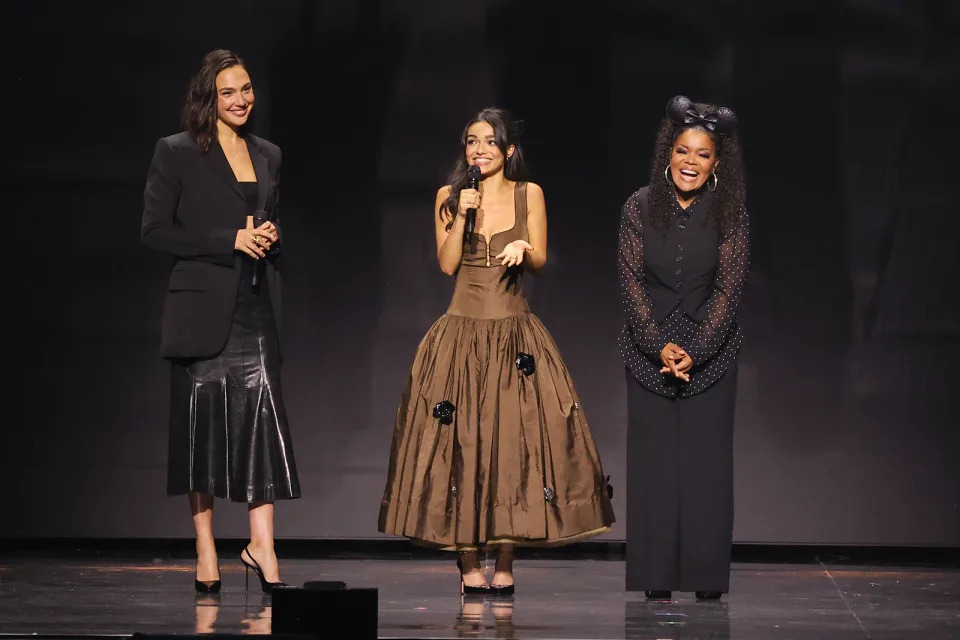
(683, 255)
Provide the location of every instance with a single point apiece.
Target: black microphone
(259, 218)
(473, 181)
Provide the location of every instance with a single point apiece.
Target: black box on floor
(326, 610)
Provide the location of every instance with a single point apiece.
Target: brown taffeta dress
(491, 444)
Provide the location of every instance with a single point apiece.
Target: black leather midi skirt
(229, 435)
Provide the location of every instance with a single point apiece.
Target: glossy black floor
(419, 598)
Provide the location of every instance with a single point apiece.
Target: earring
(666, 174)
(716, 181)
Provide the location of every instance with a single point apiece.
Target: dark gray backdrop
(846, 430)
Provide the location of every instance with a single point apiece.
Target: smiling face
(234, 96)
(482, 150)
(692, 160)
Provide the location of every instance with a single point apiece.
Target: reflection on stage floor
(555, 599)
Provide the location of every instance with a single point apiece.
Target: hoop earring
(716, 181)
(666, 174)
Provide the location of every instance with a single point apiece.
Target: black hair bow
(682, 110)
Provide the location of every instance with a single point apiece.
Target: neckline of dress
(516, 188)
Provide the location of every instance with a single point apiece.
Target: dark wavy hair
(731, 190)
(199, 114)
(506, 132)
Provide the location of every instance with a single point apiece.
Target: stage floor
(555, 599)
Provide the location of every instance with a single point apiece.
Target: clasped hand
(676, 361)
(255, 242)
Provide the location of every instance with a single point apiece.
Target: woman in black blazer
(211, 202)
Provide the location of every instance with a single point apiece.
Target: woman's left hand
(266, 235)
(512, 254)
(683, 366)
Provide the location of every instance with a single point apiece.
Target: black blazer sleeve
(274, 207)
(159, 228)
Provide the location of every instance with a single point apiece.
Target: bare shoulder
(535, 200)
(442, 194)
(439, 208)
(534, 191)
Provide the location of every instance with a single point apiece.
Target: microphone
(473, 181)
(259, 218)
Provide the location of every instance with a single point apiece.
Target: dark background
(847, 424)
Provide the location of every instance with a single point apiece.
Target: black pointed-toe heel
(502, 589)
(658, 594)
(267, 587)
(467, 590)
(212, 586)
(207, 587)
(708, 595)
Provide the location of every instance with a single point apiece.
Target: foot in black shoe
(466, 589)
(502, 584)
(708, 595)
(210, 586)
(656, 594)
(265, 586)
(207, 586)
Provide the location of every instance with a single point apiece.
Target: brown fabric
(518, 463)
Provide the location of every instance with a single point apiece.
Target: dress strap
(520, 206)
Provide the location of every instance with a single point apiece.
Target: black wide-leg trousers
(680, 488)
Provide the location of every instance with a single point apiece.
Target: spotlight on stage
(326, 610)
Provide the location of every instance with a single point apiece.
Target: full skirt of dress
(491, 444)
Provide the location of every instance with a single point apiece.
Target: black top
(250, 195)
(682, 285)
(250, 191)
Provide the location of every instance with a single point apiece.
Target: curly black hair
(731, 184)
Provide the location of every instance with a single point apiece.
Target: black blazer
(192, 209)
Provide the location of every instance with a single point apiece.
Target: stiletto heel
(467, 590)
(267, 587)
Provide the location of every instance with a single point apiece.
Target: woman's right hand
(469, 199)
(250, 242)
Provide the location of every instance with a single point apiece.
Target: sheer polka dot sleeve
(644, 332)
(728, 285)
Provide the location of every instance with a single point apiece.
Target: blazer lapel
(217, 161)
(263, 173)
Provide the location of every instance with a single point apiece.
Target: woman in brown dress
(491, 447)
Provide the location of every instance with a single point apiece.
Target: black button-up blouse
(682, 286)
